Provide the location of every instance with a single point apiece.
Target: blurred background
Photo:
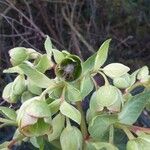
(79, 26)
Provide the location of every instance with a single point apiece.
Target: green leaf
(38, 142)
(37, 77)
(104, 145)
(19, 85)
(58, 123)
(100, 124)
(8, 112)
(93, 102)
(133, 77)
(88, 65)
(33, 88)
(133, 108)
(58, 56)
(102, 54)
(48, 46)
(7, 91)
(115, 70)
(34, 142)
(70, 112)
(71, 139)
(86, 86)
(44, 63)
(56, 92)
(4, 146)
(15, 69)
(54, 106)
(73, 93)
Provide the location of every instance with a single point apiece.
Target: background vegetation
(79, 26)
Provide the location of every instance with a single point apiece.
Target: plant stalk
(83, 122)
(111, 134)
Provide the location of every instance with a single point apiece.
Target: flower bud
(18, 55)
(122, 82)
(143, 74)
(69, 69)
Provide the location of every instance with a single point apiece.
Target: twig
(18, 32)
(29, 9)
(73, 10)
(28, 19)
(77, 32)
(76, 44)
(45, 18)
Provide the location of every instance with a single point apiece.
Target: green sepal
(58, 123)
(71, 138)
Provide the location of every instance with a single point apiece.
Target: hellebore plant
(51, 109)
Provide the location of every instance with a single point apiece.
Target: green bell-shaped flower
(110, 97)
(34, 118)
(71, 138)
(69, 68)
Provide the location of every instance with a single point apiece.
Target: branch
(77, 33)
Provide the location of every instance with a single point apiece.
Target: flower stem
(83, 122)
(105, 78)
(111, 134)
(126, 130)
(137, 84)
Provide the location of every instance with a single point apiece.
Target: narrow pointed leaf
(44, 64)
(58, 56)
(88, 65)
(37, 77)
(70, 112)
(14, 69)
(73, 94)
(86, 86)
(48, 46)
(58, 123)
(8, 112)
(102, 54)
